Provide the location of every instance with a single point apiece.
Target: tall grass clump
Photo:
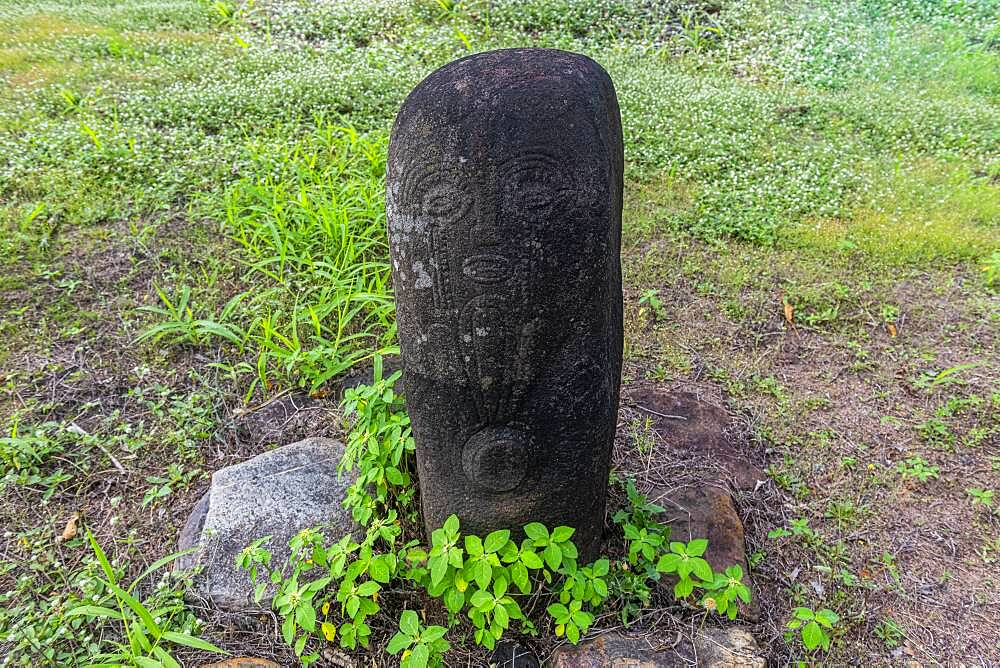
(311, 222)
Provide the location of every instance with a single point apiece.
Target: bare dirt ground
(830, 411)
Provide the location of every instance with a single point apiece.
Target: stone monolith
(504, 213)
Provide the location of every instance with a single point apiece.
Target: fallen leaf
(319, 394)
(789, 312)
(69, 532)
(891, 328)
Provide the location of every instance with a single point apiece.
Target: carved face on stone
(504, 208)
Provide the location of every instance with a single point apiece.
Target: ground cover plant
(495, 580)
(192, 232)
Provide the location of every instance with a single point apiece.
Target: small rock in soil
(727, 647)
(243, 662)
(618, 649)
(284, 420)
(703, 511)
(712, 648)
(696, 427)
(277, 493)
(509, 654)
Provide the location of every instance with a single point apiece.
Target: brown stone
(727, 648)
(702, 511)
(242, 662)
(696, 428)
(618, 650)
(705, 512)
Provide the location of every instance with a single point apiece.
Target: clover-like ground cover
(813, 199)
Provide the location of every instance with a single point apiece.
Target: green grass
(312, 227)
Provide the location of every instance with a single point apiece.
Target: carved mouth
(486, 268)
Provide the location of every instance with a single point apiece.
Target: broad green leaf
(419, 657)
(536, 531)
(827, 617)
(409, 623)
(483, 574)
(454, 600)
(473, 545)
(531, 559)
(697, 547)
(496, 540)
(191, 641)
(558, 611)
(702, 569)
(439, 566)
(562, 534)
(300, 646)
(803, 613)
(379, 569)
(668, 563)
(552, 556)
(399, 642)
(500, 616)
(683, 588)
(305, 616)
(519, 576)
(812, 635)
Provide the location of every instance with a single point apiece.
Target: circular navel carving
(496, 458)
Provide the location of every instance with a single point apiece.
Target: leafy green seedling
(813, 626)
(685, 559)
(421, 646)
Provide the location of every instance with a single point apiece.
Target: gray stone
(728, 647)
(623, 650)
(512, 654)
(504, 208)
(277, 493)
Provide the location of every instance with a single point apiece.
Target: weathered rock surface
(512, 654)
(702, 511)
(694, 426)
(622, 651)
(705, 511)
(285, 419)
(711, 648)
(504, 200)
(243, 662)
(728, 647)
(277, 493)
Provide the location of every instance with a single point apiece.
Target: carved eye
(534, 182)
(438, 203)
(535, 196)
(447, 200)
